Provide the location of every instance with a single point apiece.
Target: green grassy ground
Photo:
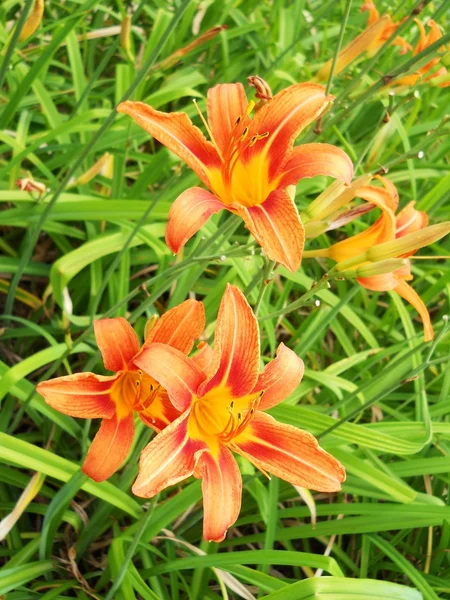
(374, 392)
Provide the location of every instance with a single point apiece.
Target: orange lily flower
(389, 228)
(425, 40)
(222, 399)
(248, 164)
(114, 399)
(378, 31)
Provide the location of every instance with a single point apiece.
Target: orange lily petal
(160, 413)
(276, 226)
(188, 214)
(169, 458)
(378, 283)
(204, 357)
(310, 160)
(180, 326)
(117, 341)
(177, 132)
(284, 117)
(411, 296)
(289, 453)
(110, 447)
(236, 346)
(226, 103)
(222, 493)
(83, 395)
(409, 220)
(381, 231)
(279, 378)
(177, 373)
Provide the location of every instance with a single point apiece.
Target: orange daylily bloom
(378, 31)
(424, 41)
(387, 228)
(116, 398)
(248, 164)
(222, 398)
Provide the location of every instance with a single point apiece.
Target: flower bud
(408, 243)
(334, 197)
(380, 268)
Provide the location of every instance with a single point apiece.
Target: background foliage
(377, 396)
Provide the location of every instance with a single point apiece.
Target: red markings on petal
(226, 103)
(276, 226)
(310, 160)
(110, 447)
(279, 378)
(284, 118)
(222, 493)
(204, 357)
(177, 373)
(83, 395)
(117, 341)
(169, 458)
(177, 132)
(188, 214)
(180, 326)
(160, 413)
(236, 346)
(289, 453)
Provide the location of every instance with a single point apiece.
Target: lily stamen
(208, 129)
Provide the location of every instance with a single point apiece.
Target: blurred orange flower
(248, 164)
(378, 31)
(425, 40)
(222, 400)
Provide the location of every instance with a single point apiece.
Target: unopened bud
(334, 197)
(408, 243)
(380, 268)
(315, 228)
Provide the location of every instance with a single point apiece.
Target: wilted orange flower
(389, 237)
(378, 31)
(248, 164)
(222, 399)
(115, 398)
(425, 40)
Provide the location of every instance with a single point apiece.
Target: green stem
(322, 284)
(268, 267)
(339, 44)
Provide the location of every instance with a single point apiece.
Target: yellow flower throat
(217, 418)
